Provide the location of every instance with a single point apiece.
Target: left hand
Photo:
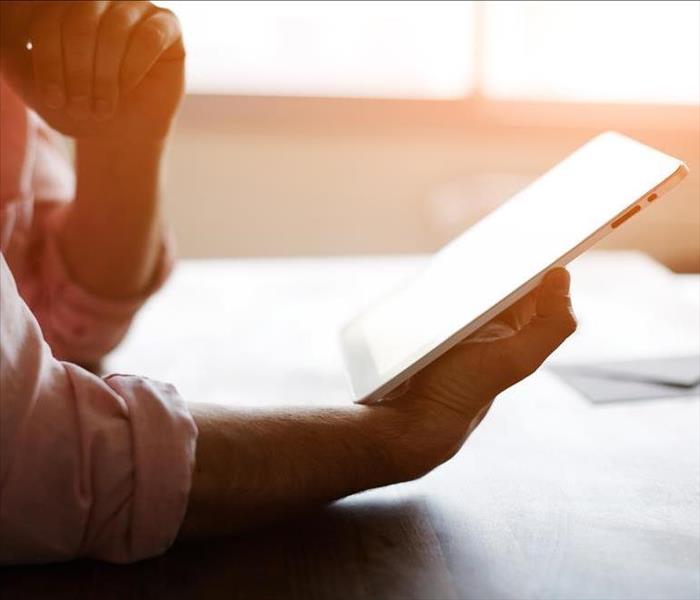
(111, 71)
(444, 402)
(504, 351)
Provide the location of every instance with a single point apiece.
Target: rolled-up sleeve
(89, 466)
(78, 325)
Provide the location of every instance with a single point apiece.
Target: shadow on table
(348, 550)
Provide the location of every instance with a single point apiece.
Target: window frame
(475, 111)
(336, 114)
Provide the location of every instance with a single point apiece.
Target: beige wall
(258, 189)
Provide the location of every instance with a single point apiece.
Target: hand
(111, 71)
(448, 399)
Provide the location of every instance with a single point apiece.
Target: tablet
(501, 258)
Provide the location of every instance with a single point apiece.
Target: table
(552, 497)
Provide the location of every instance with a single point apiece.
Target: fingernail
(102, 109)
(53, 96)
(558, 279)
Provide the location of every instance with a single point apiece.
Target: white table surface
(552, 497)
(265, 330)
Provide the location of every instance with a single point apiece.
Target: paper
(634, 380)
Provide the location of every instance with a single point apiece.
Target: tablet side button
(631, 212)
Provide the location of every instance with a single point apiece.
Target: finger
(553, 323)
(510, 320)
(495, 329)
(520, 313)
(397, 392)
(47, 55)
(80, 24)
(153, 37)
(553, 294)
(112, 41)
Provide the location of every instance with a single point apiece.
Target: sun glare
(580, 51)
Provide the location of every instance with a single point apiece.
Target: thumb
(553, 301)
(554, 320)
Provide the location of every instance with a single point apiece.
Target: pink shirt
(89, 466)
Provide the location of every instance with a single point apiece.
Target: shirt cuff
(79, 325)
(163, 447)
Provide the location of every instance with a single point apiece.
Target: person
(118, 467)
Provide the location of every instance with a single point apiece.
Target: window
(368, 49)
(571, 51)
(593, 51)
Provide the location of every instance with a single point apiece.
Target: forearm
(110, 238)
(255, 466)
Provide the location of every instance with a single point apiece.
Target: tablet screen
(495, 258)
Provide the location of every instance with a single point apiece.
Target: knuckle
(174, 22)
(151, 37)
(170, 15)
(121, 18)
(571, 324)
(564, 327)
(567, 321)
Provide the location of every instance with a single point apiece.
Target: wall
(259, 188)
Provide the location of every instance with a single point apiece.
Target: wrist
(402, 442)
(134, 151)
(133, 171)
(110, 237)
(418, 435)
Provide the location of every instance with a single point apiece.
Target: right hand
(442, 404)
(107, 71)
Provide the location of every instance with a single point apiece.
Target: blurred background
(316, 128)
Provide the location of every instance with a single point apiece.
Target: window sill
(337, 115)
